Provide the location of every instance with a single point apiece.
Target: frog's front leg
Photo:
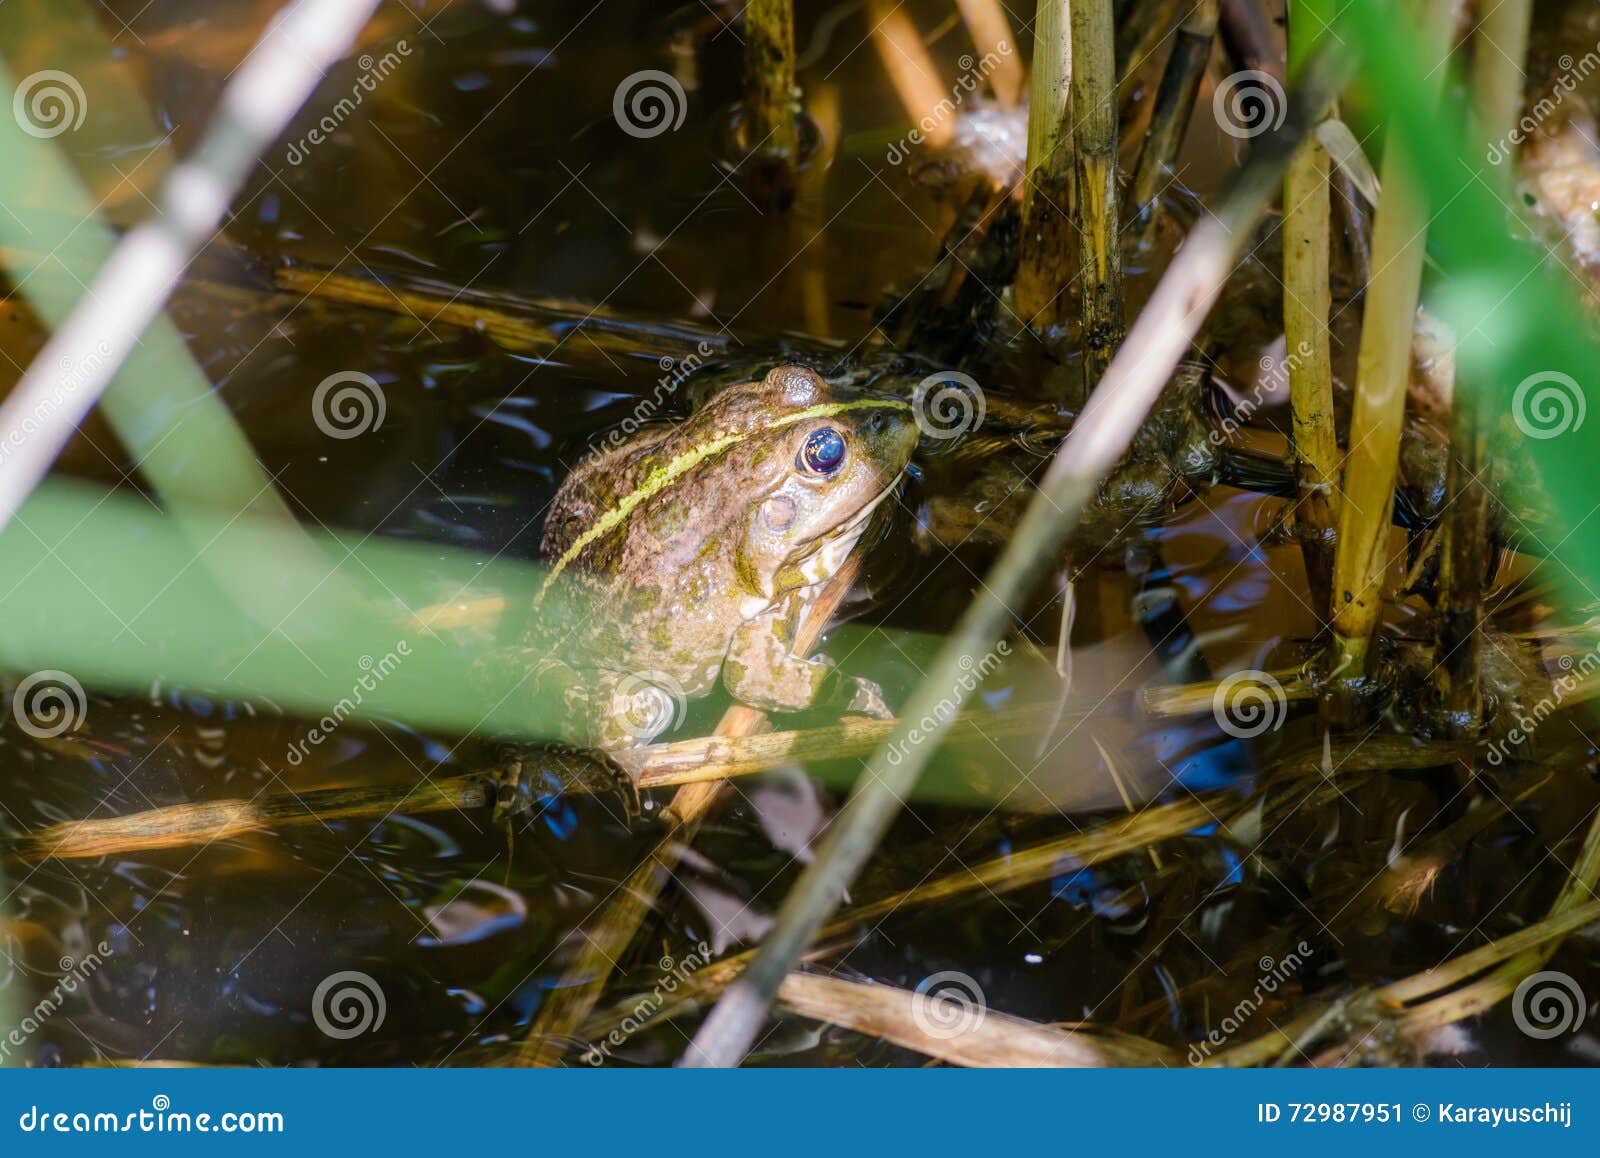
(762, 670)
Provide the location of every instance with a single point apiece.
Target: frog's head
(815, 468)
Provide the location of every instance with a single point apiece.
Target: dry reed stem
(916, 1021)
(1285, 685)
(1382, 378)
(911, 70)
(1045, 261)
(992, 36)
(1307, 296)
(771, 100)
(1169, 119)
(1094, 138)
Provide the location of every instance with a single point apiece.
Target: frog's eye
(823, 452)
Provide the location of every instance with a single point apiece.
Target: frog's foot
(862, 697)
(528, 779)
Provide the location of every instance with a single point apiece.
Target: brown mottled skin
(713, 574)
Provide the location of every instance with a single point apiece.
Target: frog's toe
(865, 698)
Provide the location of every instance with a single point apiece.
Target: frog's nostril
(875, 422)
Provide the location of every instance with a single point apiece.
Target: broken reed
(1383, 370)
(1307, 297)
(1094, 117)
(772, 105)
(1045, 261)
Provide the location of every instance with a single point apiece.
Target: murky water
(487, 156)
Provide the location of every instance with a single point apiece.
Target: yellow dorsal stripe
(662, 477)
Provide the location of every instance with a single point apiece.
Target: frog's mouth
(841, 538)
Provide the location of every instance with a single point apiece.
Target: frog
(689, 554)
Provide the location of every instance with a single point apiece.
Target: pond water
(485, 155)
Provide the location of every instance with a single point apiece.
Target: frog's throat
(663, 477)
